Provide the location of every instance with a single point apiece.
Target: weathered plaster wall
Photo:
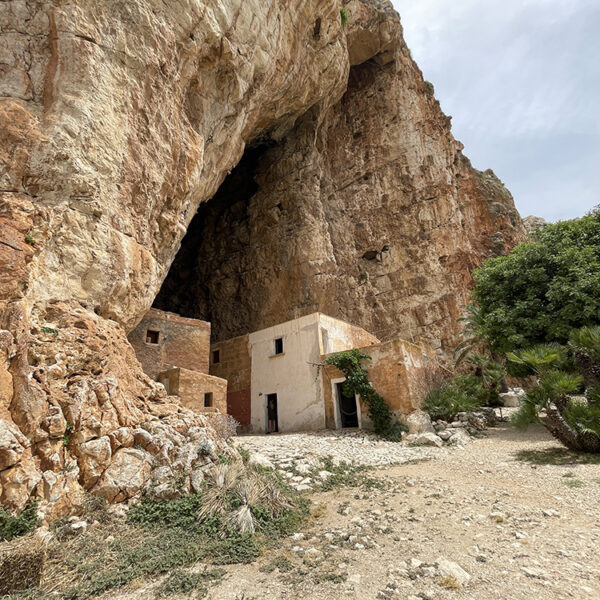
(235, 366)
(289, 375)
(294, 375)
(400, 371)
(181, 343)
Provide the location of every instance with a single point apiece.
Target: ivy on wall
(357, 382)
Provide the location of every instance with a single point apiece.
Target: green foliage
(587, 339)
(180, 581)
(67, 435)
(473, 333)
(357, 382)
(344, 16)
(29, 239)
(16, 526)
(575, 421)
(544, 288)
(584, 415)
(178, 512)
(461, 394)
(50, 330)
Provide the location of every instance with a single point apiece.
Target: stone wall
(400, 371)
(192, 388)
(180, 342)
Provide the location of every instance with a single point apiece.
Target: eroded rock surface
(367, 211)
(117, 120)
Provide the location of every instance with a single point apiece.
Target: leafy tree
(543, 289)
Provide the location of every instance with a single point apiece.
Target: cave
(216, 241)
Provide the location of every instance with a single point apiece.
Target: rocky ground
(510, 515)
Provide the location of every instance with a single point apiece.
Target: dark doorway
(347, 404)
(272, 421)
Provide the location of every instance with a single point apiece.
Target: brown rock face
(366, 211)
(119, 119)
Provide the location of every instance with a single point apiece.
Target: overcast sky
(521, 79)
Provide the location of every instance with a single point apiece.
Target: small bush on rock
(12, 526)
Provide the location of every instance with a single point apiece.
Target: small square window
(208, 400)
(279, 346)
(152, 336)
(216, 357)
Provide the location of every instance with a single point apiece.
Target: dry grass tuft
(448, 582)
(21, 564)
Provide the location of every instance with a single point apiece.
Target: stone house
(281, 366)
(174, 351)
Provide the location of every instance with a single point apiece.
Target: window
(152, 336)
(216, 357)
(279, 346)
(208, 400)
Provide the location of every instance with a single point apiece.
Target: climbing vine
(357, 382)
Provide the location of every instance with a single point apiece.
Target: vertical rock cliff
(365, 210)
(117, 121)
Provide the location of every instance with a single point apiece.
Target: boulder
(419, 422)
(12, 444)
(127, 473)
(427, 439)
(460, 437)
(512, 398)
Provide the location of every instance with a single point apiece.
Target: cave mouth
(221, 226)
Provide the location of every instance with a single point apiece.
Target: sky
(521, 79)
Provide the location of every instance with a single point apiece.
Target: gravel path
(511, 516)
(297, 454)
(475, 523)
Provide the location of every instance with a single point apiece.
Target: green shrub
(178, 512)
(16, 526)
(461, 394)
(575, 421)
(180, 581)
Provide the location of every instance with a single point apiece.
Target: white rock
(460, 437)
(419, 422)
(448, 568)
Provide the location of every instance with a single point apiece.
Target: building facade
(279, 371)
(174, 351)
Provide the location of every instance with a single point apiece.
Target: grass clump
(461, 394)
(12, 526)
(344, 16)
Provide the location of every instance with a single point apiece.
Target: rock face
(117, 120)
(366, 210)
(533, 223)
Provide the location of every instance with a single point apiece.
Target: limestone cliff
(118, 120)
(365, 210)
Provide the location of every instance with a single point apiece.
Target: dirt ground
(510, 516)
